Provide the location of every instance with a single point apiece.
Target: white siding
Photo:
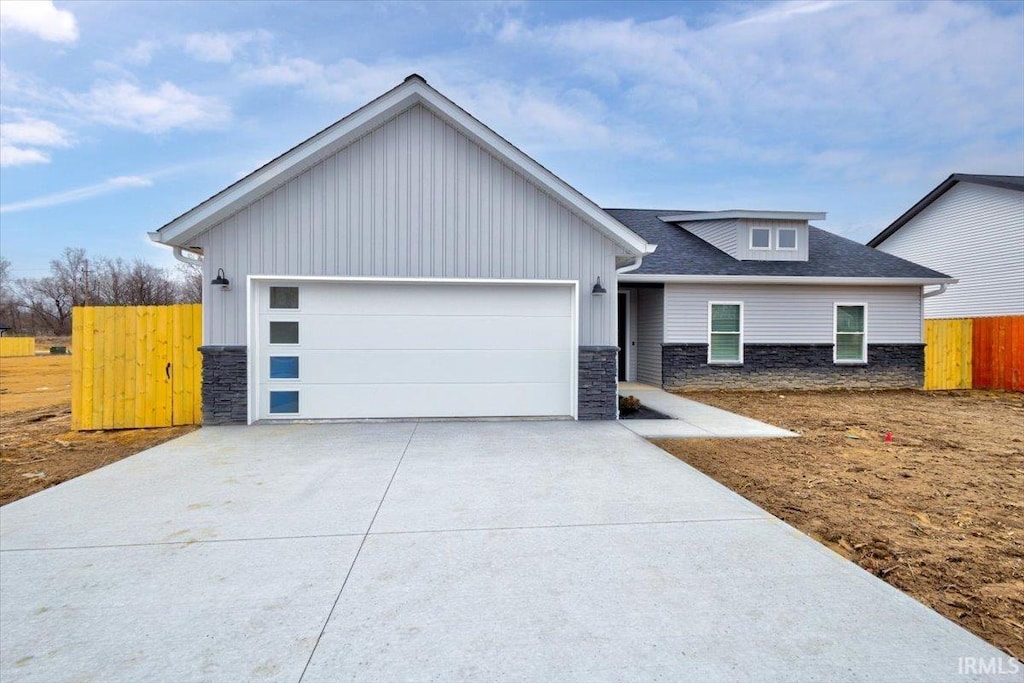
(974, 233)
(721, 234)
(413, 198)
(793, 314)
(745, 253)
(649, 335)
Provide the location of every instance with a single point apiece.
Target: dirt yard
(938, 512)
(37, 447)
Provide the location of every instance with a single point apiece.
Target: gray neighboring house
(971, 226)
(407, 261)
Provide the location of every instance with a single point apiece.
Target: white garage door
(403, 349)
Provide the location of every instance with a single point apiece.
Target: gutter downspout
(935, 292)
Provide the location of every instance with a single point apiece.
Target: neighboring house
(762, 299)
(972, 227)
(409, 262)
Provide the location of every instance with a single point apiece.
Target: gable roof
(1007, 182)
(681, 253)
(412, 91)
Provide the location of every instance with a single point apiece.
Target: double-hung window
(851, 327)
(725, 332)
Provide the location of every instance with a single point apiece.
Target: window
(284, 402)
(284, 367)
(284, 297)
(786, 238)
(760, 238)
(851, 333)
(725, 335)
(284, 332)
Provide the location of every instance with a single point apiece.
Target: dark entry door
(623, 341)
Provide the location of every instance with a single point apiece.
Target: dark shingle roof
(681, 252)
(1007, 182)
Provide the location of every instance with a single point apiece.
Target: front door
(623, 334)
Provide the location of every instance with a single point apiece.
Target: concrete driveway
(439, 551)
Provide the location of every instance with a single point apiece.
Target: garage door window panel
(284, 298)
(284, 367)
(284, 402)
(284, 332)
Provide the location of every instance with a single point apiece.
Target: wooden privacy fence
(17, 346)
(136, 366)
(978, 353)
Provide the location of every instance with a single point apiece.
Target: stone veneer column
(225, 385)
(598, 383)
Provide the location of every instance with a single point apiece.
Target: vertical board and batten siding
(793, 314)
(948, 356)
(17, 346)
(413, 198)
(136, 366)
(649, 335)
(745, 253)
(974, 233)
(720, 234)
(998, 352)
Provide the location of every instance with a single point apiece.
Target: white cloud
(830, 83)
(20, 141)
(168, 107)
(11, 155)
(142, 52)
(39, 18)
(221, 47)
(78, 194)
(288, 71)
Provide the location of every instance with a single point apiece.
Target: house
(972, 227)
(407, 261)
(763, 299)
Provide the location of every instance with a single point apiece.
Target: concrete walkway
(526, 551)
(691, 419)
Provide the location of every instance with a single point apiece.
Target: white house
(407, 261)
(972, 227)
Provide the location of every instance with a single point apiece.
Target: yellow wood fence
(136, 366)
(949, 354)
(17, 346)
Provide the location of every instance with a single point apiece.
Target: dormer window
(760, 238)
(786, 238)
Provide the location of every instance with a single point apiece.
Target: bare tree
(190, 282)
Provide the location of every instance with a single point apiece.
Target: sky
(117, 117)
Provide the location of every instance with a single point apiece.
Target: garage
(336, 348)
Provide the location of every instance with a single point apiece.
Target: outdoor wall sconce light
(221, 281)
(598, 289)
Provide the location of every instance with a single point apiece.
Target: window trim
(796, 240)
(741, 334)
(835, 334)
(750, 239)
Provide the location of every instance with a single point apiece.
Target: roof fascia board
(787, 280)
(745, 213)
(413, 91)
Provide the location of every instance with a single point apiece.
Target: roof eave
(744, 213)
(788, 280)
